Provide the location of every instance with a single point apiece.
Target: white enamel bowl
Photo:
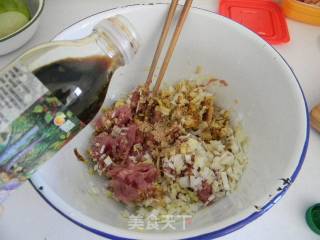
(271, 107)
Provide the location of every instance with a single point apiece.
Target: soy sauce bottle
(52, 91)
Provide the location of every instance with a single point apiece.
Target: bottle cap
(313, 218)
(123, 35)
(263, 17)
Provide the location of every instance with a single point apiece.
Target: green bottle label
(34, 125)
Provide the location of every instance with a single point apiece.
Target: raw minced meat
(175, 152)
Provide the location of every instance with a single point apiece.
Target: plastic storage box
(302, 12)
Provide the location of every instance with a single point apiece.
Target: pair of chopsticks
(173, 43)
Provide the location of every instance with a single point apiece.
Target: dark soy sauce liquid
(89, 77)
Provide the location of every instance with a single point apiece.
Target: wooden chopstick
(162, 39)
(173, 44)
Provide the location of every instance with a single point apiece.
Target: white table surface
(27, 216)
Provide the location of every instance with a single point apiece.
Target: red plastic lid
(261, 16)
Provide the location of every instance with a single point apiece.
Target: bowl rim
(28, 24)
(234, 226)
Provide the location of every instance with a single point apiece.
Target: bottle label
(19, 89)
(34, 125)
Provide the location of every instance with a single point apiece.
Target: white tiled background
(28, 217)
